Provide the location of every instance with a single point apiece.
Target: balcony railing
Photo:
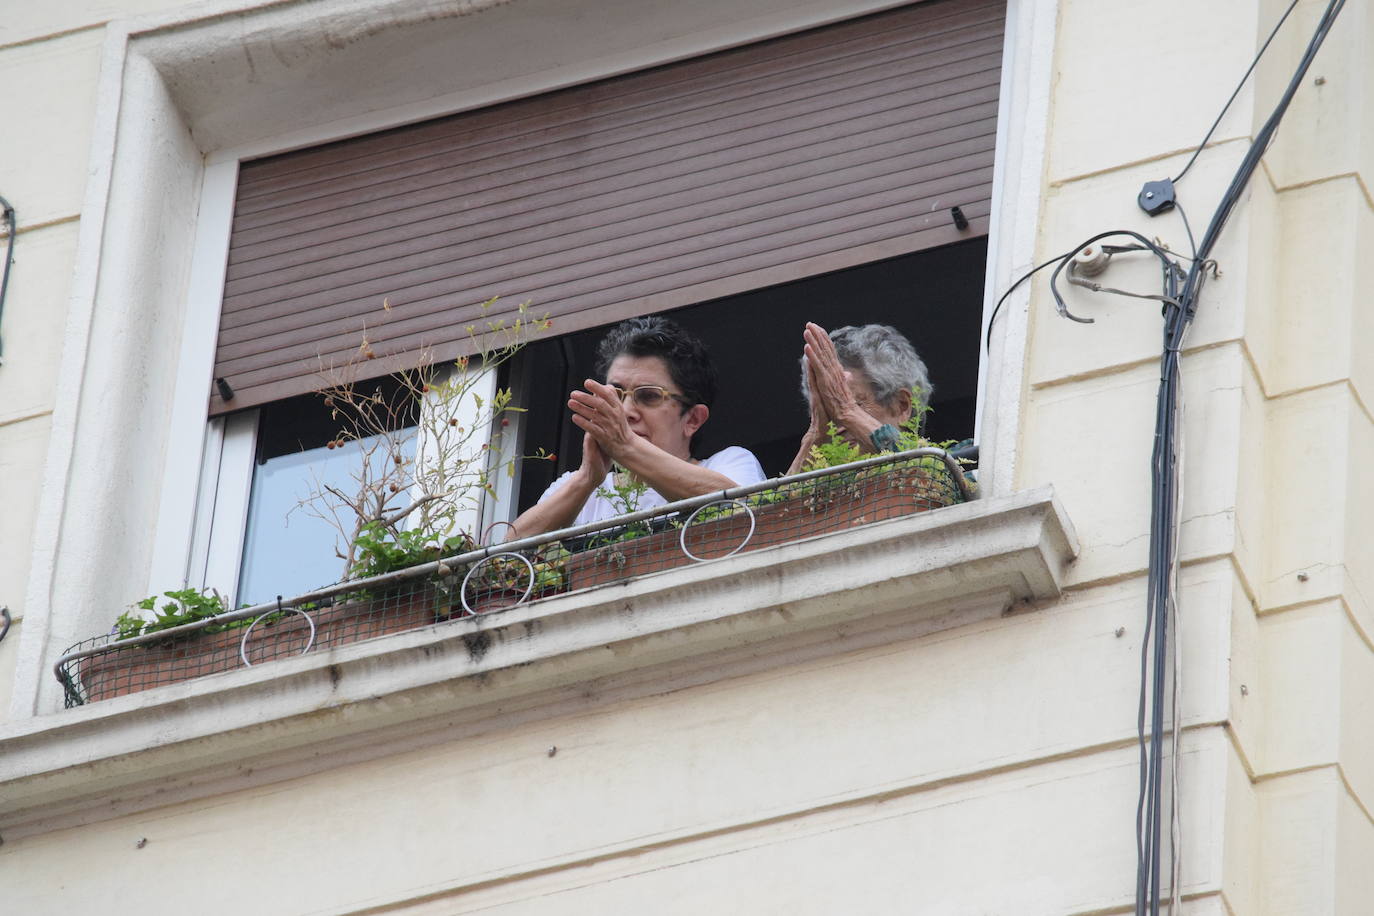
(484, 581)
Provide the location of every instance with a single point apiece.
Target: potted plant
(405, 507)
(504, 580)
(117, 673)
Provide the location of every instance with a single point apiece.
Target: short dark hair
(688, 363)
(686, 357)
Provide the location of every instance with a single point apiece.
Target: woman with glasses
(866, 380)
(645, 418)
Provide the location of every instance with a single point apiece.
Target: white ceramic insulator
(1091, 260)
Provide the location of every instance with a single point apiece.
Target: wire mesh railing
(497, 577)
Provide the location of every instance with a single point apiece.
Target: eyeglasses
(647, 396)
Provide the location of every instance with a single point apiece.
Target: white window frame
(226, 489)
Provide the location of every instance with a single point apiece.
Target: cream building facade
(930, 715)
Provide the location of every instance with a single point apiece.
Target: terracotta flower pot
(799, 511)
(129, 669)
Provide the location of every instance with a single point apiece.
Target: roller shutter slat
(756, 166)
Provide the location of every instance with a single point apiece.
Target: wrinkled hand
(598, 413)
(829, 380)
(820, 417)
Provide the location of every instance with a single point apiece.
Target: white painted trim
(213, 454)
(764, 23)
(36, 636)
(510, 446)
(181, 476)
(229, 516)
(468, 518)
(1018, 185)
(898, 579)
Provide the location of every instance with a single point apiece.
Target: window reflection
(287, 550)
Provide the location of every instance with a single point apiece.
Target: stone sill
(895, 579)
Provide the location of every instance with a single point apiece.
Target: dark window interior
(298, 424)
(934, 297)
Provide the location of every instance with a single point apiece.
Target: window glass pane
(288, 551)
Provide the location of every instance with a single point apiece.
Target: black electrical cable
(1164, 483)
(1251, 69)
(7, 213)
(987, 343)
(1192, 245)
(1061, 259)
(1145, 245)
(1149, 808)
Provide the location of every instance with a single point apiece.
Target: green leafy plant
(186, 606)
(837, 450)
(504, 575)
(624, 494)
(549, 572)
(379, 549)
(407, 498)
(834, 451)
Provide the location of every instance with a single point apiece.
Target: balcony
(494, 579)
(866, 582)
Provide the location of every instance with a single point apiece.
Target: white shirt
(738, 464)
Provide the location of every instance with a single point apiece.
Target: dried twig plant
(426, 440)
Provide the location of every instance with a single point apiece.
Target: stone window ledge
(839, 592)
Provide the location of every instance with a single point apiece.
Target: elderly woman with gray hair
(862, 379)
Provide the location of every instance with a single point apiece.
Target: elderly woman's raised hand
(829, 381)
(820, 417)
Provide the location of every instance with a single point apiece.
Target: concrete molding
(898, 579)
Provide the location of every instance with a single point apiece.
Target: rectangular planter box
(129, 669)
(807, 509)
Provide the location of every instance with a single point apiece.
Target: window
(160, 258)
(263, 540)
(810, 177)
(287, 549)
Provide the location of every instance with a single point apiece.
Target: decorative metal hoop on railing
(243, 643)
(524, 596)
(682, 535)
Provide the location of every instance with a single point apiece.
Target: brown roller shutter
(646, 192)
